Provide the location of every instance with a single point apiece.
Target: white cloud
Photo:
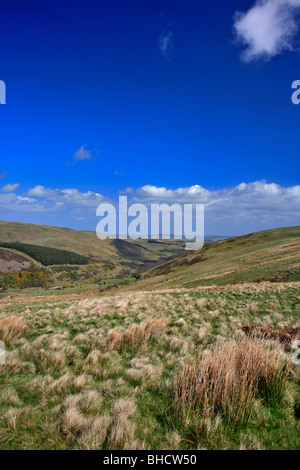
(66, 197)
(244, 208)
(10, 202)
(255, 196)
(38, 191)
(82, 154)
(268, 28)
(9, 188)
(40, 199)
(166, 43)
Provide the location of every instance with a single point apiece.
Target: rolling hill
(272, 255)
(106, 258)
(81, 366)
(85, 243)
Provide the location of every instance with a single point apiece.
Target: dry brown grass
(135, 336)
(95, 432)
(226, 380)
(123, 426)
(11, 328)
(72, 423)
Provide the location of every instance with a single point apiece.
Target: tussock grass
(72, 423)
(150, 371)
(123, 426)
(135, 336)
(228, 378)
(11, 328)
(95, 433)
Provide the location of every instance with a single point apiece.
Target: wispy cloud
(167, 43)
(9, 188)
(82, 154)
(268, 28)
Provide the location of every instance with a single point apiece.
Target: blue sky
(104, 96)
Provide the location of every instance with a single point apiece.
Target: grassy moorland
(151, 370)
(164, 361)
(86, 243)
(65, 258)
(271, 255)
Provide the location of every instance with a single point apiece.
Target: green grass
(272, 255)
(67, 385)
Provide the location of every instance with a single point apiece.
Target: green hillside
(166, 366)
(272, 255)
(45, 255)
(85, 243)
(82, 242)
(73, 256)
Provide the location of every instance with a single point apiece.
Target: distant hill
(82, 242)
(45, 255)
(85, 243)
(272, 255)
(108, 258)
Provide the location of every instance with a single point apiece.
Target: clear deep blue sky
(92, 73)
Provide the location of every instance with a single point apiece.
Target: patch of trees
(45, 255)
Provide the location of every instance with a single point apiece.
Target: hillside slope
(84, 243)
(106, 258)
(12, 261)
(19, 270)
(272, 255)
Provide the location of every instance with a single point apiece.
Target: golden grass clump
(142, 371)
(200, 303)
(95, 432)
(228, 378)
(11, 328)
(87, 402)
(72, 423)
(61, 386)
(140, 334)
(9, 397)
(136, 335)
(173, 440)
(123, 426)
(9, 424)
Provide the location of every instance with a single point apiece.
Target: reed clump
(226, 380)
